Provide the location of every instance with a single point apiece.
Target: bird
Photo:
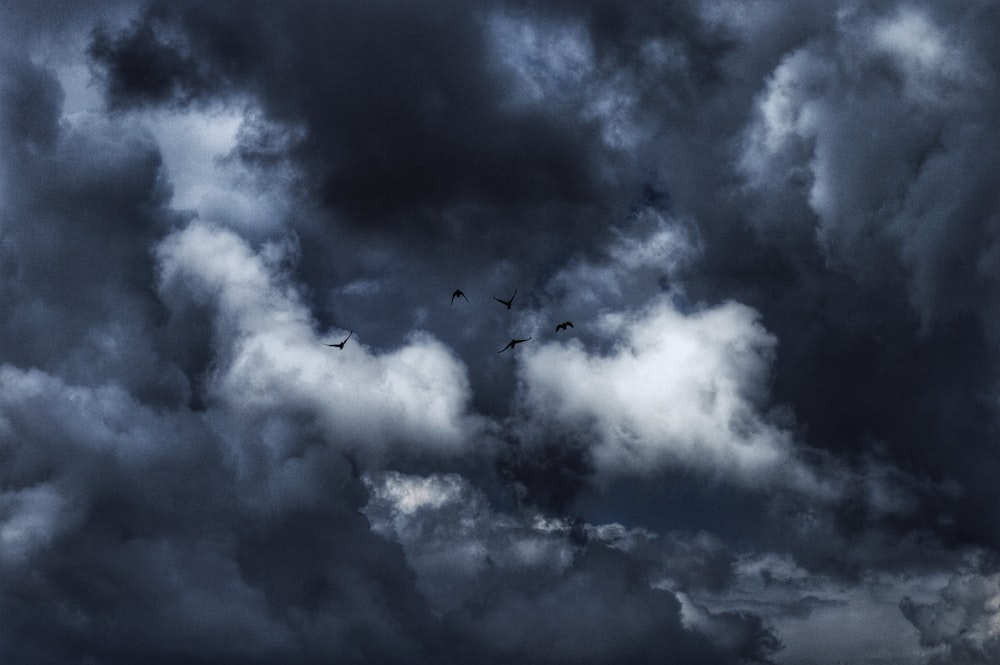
(564, 325)
(512, 344)
(458, 294)
(340, 345)
(506, 302)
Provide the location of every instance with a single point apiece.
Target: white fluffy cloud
(676, 390)
(271, 361)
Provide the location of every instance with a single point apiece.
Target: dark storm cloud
(81, 208)
(405, 123)
(549, 476)
(133, 556)
(135, 528)
(869, 185)
(400, 104)
(127, 533)
(527, 589)
(566, 620)
(465, 131)
(961, 625)
(773, 224)
(143, 69)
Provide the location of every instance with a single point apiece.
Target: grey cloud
(80, 213)
(368, 143)
(883, 315)
(522, 587)
(698, 560)
(773, 225)
(125, 518)
(142, 68)
(960, 626)
(31, 101)
(811, 611)
(146, 538)
(569, 619)
(880, 121)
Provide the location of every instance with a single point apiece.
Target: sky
(770, 435)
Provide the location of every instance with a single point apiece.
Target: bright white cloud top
(674, 390)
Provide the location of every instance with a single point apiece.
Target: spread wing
(340, 345)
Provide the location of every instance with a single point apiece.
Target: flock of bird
(458, 294)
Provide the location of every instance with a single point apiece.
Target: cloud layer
(774, 227)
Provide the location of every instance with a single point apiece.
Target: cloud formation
(544, 589)
(773, 226)
(675, 390)
(269, 360)
(962, 625)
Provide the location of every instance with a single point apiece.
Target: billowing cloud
(674, 390)
(963, 624)
(269, 359)
(667, 384)
(573, 592)
(884, 131)
(811, 612)
(773, 226)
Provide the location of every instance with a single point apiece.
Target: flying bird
(458, 294)
(506, 302)
(564, 325)
(340, 345)
(513, 343)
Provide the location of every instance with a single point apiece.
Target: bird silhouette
(458, 294)
(512, 343)
(506, 302)
(564, 325)
(340, 345)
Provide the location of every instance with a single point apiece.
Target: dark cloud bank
(770, 435)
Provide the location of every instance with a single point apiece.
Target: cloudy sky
(770, 435)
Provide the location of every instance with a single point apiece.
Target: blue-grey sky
(770, 434)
